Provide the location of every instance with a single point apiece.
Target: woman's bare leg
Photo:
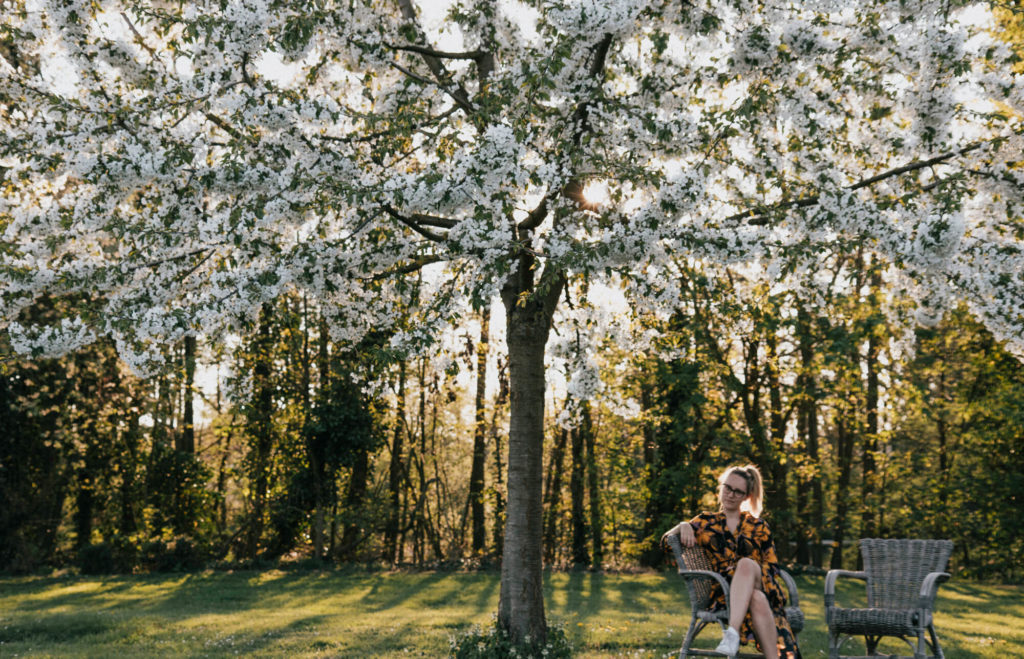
(763, 622)
(746, 593)
(745, 580)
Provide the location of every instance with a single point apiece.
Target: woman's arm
(687, 536)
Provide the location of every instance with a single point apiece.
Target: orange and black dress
(752, 540)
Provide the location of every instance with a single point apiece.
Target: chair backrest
(693, 558)
(896, 569)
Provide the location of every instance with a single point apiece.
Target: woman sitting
(740, 547)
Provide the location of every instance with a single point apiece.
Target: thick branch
(759, 215)
(441, 54)
(435, 65)
(573, 189)
(413, 224)
(414, 266)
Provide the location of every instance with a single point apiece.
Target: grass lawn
(355, 613)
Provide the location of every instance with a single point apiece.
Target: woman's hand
(686, 535)
(685, 531)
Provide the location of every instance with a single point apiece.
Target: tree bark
(529, 310)
(354, 497)
(186, 439)
(844, 442)
(498, 528)
(316, 457)
(553, 496)
(809, 493)
(777, 494)
(587, 429)
(869, 468)
(261, 428)
(476, 476)
(391, 548)
(580, 555)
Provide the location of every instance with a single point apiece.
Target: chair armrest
(929, 589)
(677, 548)
(830, 583)
(794, 597)
(707, 574)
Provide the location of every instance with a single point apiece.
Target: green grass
(355, 613)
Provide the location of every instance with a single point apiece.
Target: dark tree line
(312, 449)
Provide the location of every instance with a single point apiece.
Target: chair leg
(833, 645)
(922, 650)
(936, 648)
(871, 643)
(691, 633)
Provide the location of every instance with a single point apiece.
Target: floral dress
(752, 540)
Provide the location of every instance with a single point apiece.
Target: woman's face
(733, 492)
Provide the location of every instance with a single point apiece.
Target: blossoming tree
(176, 165)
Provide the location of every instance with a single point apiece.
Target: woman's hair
(755, 492)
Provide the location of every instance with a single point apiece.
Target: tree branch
(414, 225)
(435, 65)
(573, 189)
(759, 215)
(417, 264)
(441, 54)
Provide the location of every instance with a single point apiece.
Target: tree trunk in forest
(649, 433)
(353, 504)
(809, 492)
(128, 524)
(869, 467)
(751, 399)
(777, 491)
(553, 496)
(85, 499)
(261, 428)
(529, 310)
(421, 532)
(498, 528)
(580, 555)
(587, 429)
(391, 549)
(186, 440)
(476, 476)
(844, 444)
(317, 466)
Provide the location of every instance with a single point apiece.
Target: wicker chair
(695, 568)
(902, 577)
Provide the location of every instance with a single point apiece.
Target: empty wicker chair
(902, 577)
(695, 568)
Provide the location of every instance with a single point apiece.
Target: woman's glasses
(728, 489)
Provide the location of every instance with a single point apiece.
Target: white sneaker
(730, 644)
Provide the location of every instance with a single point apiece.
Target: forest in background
(339, 454)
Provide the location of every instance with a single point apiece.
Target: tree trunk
(529, 311)
(580, 556)
(261, 425)
(809, 495)
(553, 496)
(353, 504)
(587, 429)
(186, 439)
(869, 468)
(777, 492)
(317, 465)
(498, 528)
(391, 550)
(844, 444)
(476, 476)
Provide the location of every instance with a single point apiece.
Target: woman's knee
(748, 566)
(759, 604)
